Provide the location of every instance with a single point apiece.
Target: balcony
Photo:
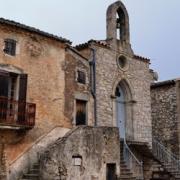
(16, 114)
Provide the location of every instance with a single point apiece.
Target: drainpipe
(93, 83)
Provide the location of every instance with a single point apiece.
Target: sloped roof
(86, 44)
(105, 44)
(141, 58)
(163, 83)
(34, 30)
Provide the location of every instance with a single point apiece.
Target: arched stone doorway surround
(126, 102)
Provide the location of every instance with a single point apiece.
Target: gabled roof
(34, 30)
(86, 44)
(141, 58)
(105, 44)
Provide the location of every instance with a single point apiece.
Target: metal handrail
(167, 150)
(166, 157)
(132, 162)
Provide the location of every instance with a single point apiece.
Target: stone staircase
(172, 170)
(159, 173)
(32, 174)
(166, 159)
(126, 173)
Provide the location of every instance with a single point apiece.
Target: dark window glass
(10, 47)
(117, 93)
(81, 77)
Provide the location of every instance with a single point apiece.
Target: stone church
(89, 112)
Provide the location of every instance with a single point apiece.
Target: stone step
(178, 177)
(27, 176)
(127, 174)
(122, 162)
(124, 170)
(127, 177)
(36, 166)
(33, 171)
(124, 167)
(32, 174)
(159, 179)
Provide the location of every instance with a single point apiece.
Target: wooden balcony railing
(17, 114)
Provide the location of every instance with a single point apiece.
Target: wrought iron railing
(16, 113)
(166, 157)
(132, 162)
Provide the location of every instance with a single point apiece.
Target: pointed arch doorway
(120, 112)
(124, 110)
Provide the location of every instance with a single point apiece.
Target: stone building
(166, 114)
(90, 112)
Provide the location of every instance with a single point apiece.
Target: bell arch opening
(123, 111)
(118, 22)
(120, 25)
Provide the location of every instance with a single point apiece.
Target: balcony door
(12, 96)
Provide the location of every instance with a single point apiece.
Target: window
(123, 62)
(77, 160)
(81, 77)
(10, 47)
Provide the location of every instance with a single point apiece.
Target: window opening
(117, 93)
(120, 25)
(81, 77)
(10, 47)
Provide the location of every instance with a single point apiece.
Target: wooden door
(111, 172)
(81, 112)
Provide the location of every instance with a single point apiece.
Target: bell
(118, 25)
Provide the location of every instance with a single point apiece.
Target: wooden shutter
(4, 86)
(22, 98)
(4, 79)
(22, 87)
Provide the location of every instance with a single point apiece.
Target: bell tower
(118, 34)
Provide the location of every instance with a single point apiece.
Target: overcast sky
(154, 25)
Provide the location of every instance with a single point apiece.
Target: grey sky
(155, 25)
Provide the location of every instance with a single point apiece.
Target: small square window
(10, 47)
(81, 77)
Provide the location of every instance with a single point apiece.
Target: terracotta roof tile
(32, 29)
(86, 44)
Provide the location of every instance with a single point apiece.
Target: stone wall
(3, 172)
(31, 156)
(75, 90)
(165, 114)
(93, 149)
(43, 60)
(137, 79)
